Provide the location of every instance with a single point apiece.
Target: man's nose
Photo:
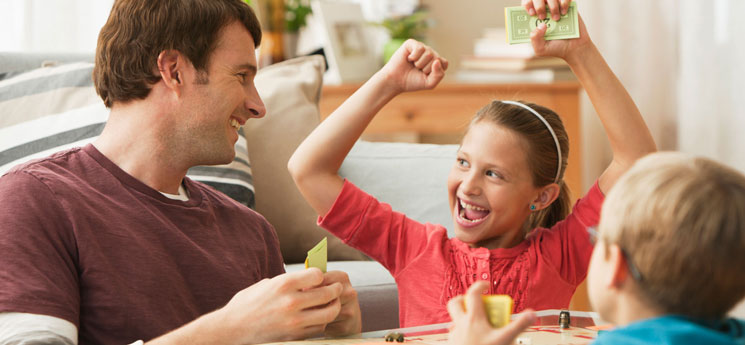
(254, 104)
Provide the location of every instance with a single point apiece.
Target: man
(110, 243)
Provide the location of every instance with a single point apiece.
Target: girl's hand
(556, 8)
(414, 66)
(566, 49)
(471, 327)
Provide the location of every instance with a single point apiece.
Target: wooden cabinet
(445, 112)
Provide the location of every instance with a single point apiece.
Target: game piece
(317, 256)
(394, 336)
(564, 319)
(498, 309)
(524, 341)
(520, 24)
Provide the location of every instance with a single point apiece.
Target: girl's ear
(171, 69)
(546, 196)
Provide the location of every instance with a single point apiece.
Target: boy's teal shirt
(679, 330)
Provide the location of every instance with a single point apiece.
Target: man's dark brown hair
(138, 30)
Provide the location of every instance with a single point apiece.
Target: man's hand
(349, 320)
(471, 327)
(290, 306)
(414, 66)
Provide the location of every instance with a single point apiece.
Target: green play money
(520, 24)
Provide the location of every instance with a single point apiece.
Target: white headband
(556, 140)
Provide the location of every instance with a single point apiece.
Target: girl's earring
(532, 207)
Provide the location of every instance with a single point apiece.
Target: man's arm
(287, 307)
(26, 328)
(37, 277)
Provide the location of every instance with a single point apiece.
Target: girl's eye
(462, 162)
(492, 173)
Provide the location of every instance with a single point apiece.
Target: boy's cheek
(595, 288)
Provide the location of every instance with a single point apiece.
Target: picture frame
(345, 41)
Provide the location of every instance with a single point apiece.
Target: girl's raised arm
(315, 164)
(629, 136)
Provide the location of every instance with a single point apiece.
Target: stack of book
(496, 61)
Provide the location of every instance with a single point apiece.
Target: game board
(546, 331)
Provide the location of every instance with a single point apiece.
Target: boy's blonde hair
(681, 222)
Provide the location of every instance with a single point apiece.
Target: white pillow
(412, 178)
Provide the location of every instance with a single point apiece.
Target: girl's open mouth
(470, 214)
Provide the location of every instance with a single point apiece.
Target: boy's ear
(618, 272)
(546, 196)
(171, 69)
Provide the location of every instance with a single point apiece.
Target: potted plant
(296, 12)
(401, 28)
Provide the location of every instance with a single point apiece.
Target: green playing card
(520, 24)
(317, 256)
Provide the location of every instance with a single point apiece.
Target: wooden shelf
(446, 111)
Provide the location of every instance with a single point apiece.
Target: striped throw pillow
(50, 109)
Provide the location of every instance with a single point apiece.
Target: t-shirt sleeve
(567, 246)
(274, 263)
(363, 222)
(38, 273)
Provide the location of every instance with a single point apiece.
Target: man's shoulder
(52, 164)
(46, 170)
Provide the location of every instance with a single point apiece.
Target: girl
(506, 192)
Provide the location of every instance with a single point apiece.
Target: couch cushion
(54, 108)
(412, 178)
(290, 90)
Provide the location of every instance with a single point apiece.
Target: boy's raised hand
(472, 327)
(414, 66)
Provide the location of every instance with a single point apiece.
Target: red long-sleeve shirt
(541, 272)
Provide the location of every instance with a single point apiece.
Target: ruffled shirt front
(541, 272)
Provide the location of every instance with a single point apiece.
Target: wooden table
(442, 115)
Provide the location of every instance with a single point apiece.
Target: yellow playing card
(317, 256)
(498, 309)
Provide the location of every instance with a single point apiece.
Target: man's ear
(546, 196)
(171, 69)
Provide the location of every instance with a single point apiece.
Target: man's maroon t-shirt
(82, 240)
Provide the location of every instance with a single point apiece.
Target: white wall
(65, 26)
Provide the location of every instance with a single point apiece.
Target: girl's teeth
(463, 217)
(472, 207)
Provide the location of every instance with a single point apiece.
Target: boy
(668, 263)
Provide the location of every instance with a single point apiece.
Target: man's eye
(242, 76)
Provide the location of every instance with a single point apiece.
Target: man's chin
(218, 158)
